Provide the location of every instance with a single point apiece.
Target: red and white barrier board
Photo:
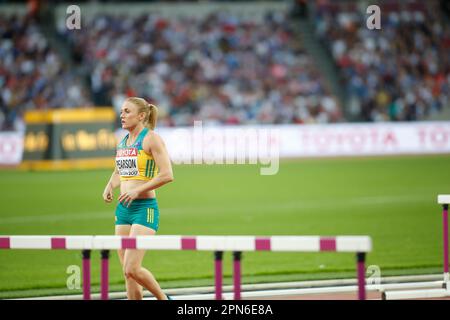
(202, 243)
(356, 244)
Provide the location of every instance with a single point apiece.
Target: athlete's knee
(131, 271)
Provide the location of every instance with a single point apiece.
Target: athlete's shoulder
(152, 135)
(153, 139)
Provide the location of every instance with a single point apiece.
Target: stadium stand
(32, 74)
(399, 74)
(221, 69)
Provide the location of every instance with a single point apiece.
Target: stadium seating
(399, 73)
(229, 69)
(32, 74)
(219, 68)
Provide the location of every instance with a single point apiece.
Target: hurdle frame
(444, 201)
(359, 245)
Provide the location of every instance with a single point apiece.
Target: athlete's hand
(108, 194)
(128, 197)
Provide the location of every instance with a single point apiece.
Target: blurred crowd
(32, 74)
(219, 69)
(223, 69)
(401, 72)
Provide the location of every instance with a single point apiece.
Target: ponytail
(152, 116)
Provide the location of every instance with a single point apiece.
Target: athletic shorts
(141, 211)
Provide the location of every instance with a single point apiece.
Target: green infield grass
(391, 199)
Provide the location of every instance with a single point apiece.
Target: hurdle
(444, 291)
(360, 245)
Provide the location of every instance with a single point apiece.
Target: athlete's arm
(113, 183)
(158, 149)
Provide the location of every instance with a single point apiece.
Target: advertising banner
(68, 138)
(90, 137)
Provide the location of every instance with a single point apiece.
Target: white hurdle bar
(360, 245)
(444, 200)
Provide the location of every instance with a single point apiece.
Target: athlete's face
(130, 116)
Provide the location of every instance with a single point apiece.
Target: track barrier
(360, 245)
(444, 200)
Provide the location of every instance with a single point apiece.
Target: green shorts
(141, 211)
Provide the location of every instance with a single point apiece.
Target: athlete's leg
(133, 264)
(134, 289)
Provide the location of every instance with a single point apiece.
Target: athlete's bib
(132, 162)
(127, 162)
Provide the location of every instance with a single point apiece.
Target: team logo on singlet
(127, 162)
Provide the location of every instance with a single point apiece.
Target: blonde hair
(150, 110)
